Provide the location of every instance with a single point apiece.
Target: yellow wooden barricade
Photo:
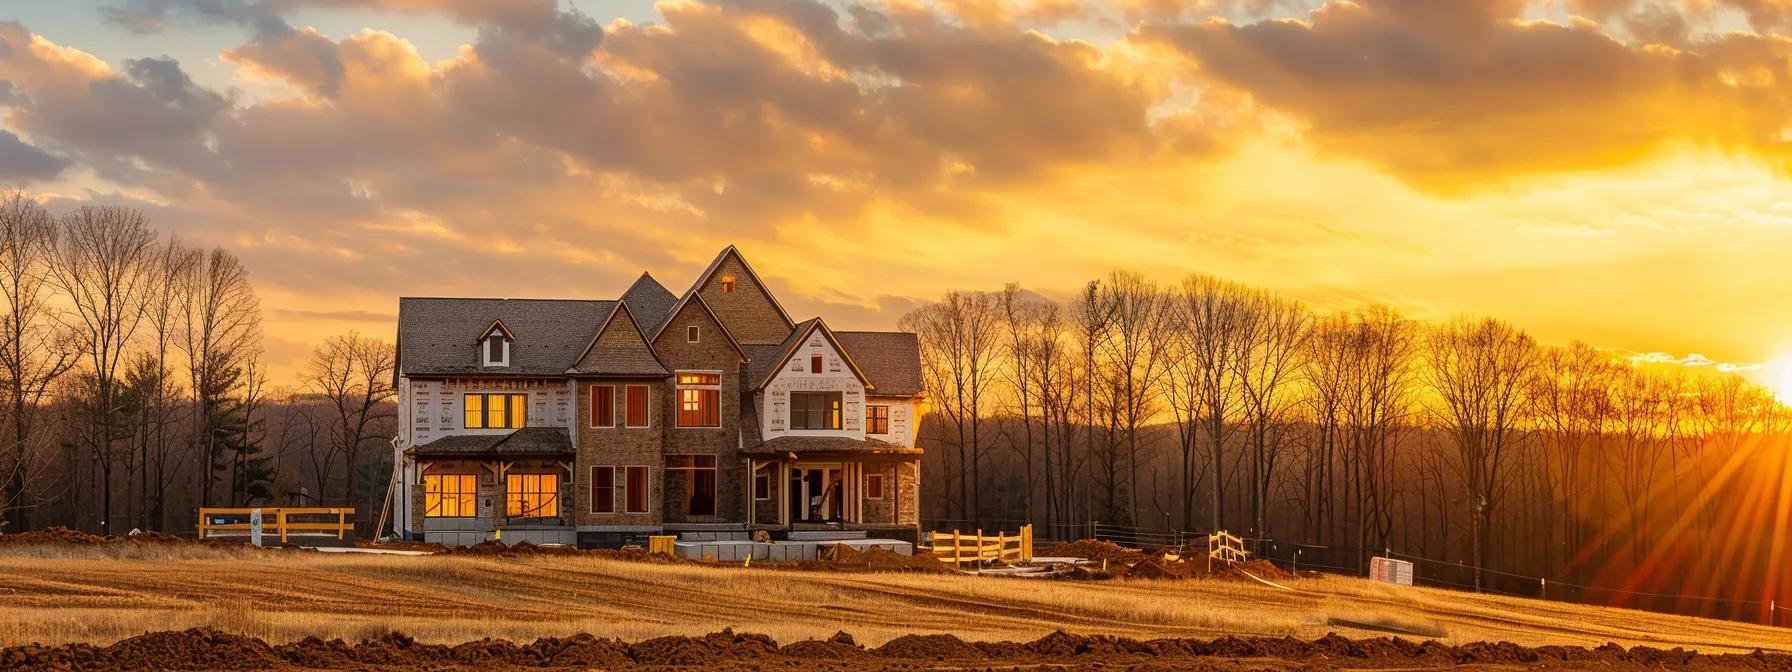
(665, 544)
(278, 521)
(958, 548)
(1222, 545)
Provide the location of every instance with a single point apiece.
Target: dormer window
(494, 345)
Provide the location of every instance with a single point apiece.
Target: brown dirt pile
(844, 557)
(1093, 550)
(214, 650)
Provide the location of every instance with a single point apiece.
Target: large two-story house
(599, 422)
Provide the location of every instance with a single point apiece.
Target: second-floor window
(877, 419)
(496, 411)
(603, 405)
(637, 406)
(699, 400)
(814, 410)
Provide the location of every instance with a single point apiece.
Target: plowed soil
(207, 649)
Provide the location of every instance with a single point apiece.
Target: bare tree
(1210, 317)
(221, 335)
(34, 348)
(1275, 334)
(1138, 312)
(102, 264)
(353, 374)
(1479, 372)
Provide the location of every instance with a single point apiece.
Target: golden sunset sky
(1614, 171)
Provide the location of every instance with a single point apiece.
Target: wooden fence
(277, 521)
(958, 548)
(1222, 545)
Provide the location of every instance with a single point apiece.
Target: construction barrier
(663, 544)
(276, 521)
(958, 548)
(1389, 570)
(1222, 545)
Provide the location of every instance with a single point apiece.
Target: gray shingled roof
(763, 358)
(891, 359)
(619, 350)
(829, 444)
(437, 336)
(650, 302)
(529, 441)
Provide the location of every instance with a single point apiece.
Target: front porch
(815, 487)
(510, 488)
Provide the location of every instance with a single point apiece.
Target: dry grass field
(103, 594)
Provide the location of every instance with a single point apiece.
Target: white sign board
(255, 526)
(1389, 570)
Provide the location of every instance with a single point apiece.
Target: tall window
(450, 495)
(637, 405)
(634, 490)
(699, 400)
(494, 353)
(814, 410)
(690, 334)
(874, 486)
(815, 364)
(603, 405)
(497, 411)
(699, 474)
(877, 419)
(603, 489)
(532, 495)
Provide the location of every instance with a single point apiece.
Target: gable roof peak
(496, 326)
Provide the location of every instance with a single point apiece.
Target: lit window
(450, 495)
(699, 474)
(815, 410)
(496, 411)
(603, 405)
(699, 400)
(637, 406)
(727, 284)
(877, 419)
(874, 486)
(532, 495)
(603, 489)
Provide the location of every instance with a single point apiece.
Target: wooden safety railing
(279, 521)
(1222, 545)
(958, 548)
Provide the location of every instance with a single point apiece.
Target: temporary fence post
(1773, 612)
(1543, 589)
(341, 521)
(280, 519)
(957, 555)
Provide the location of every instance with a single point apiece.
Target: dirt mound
(842, 556)
(709, 649)
(55, 536)
(933, 647)
(1264, 569)
(215, 650)
(1093, 550)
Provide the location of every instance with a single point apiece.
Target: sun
(1779, 378)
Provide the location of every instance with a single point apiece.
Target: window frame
(692, 334)
(467, 501)
(691, 467)
(610, 407)
(515, 495)
(611, 507)
(815, 364)
(509, 414)
(627, 489)
(628, 407)
(872, 422)
(705, 390)
(880, 487)
(762, 487)
(495, 339)
(834, 413)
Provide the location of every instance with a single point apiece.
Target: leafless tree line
(134, 389)
(1212, 405)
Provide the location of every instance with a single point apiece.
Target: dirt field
(100, 595)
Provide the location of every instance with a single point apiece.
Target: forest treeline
(132, 389)
(1209, 405)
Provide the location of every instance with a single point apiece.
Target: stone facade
(750, 312)
(619, 446)
(712, 353)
